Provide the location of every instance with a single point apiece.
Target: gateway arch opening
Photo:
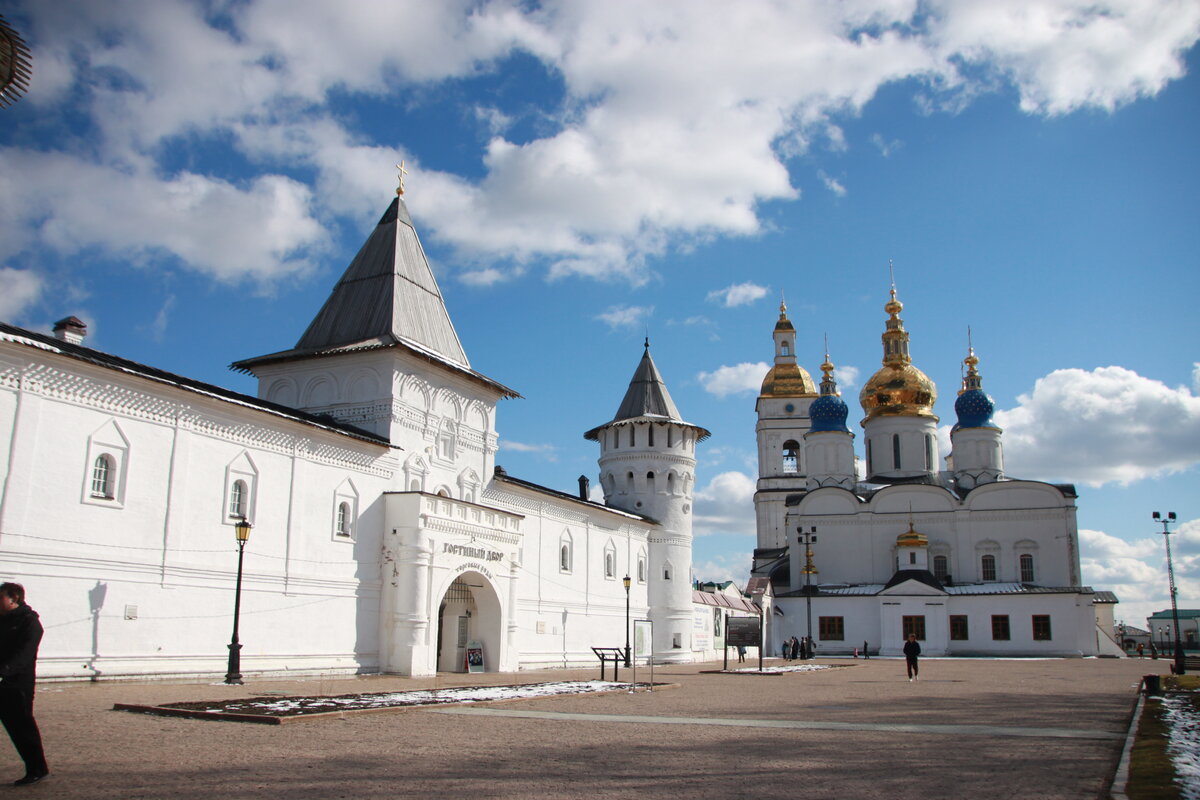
(468, 613)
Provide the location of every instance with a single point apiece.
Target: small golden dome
(788, 380)
(911, 538)
(898, 390)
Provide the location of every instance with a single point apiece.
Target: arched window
(870, 466)
(641, 569)
(650, 435)
(237, 499)
(791, 456)
(670, 483)
(1026, 568)
(343, 519)
(666, 572)
(929, 452)
(785, 348)
(896, 451)
(629, 482)
(987, 567)
(616, 436)
(102, 477)
(941, 567)
(610, 565)
(650, 481)
(564, 557)
(632, 441)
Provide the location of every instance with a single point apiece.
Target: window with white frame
(105, 468)
(641, 568)
(345, 511)
(342, 527)
(241, 484)
(237, 499)
(610, 565)
(1026, 562)
(566, 553)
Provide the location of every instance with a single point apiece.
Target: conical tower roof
(387, 297)
(646, 400)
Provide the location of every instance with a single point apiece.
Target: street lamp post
(809, 570)
(626, 581)
(233, 675)
(1166, 521)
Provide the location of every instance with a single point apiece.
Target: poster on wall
(474, 656)
(701, 638)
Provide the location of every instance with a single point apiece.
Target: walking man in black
(911, 650)
(20, 635)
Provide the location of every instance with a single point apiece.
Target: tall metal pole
(1180, 662)
(626, 581)
(809, 570)
(233, 675)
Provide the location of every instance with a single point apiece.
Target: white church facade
(972, 561)
(384, 536)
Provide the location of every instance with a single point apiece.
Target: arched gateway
(469, 615)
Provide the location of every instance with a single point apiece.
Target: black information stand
(614, 654)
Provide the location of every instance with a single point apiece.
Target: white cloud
(19, 289)
(674, 126)
(846, 376)
(886, 148)
(1136, 570)
(625, 316)
(547, 452)
(739, 294)
(725, 505)
(738, 379)
(1107, 425)
(1196, 378)
(832, 183)
(726, 567)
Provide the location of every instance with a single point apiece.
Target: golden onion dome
(788, 380)
(911, 538)
(898, 390)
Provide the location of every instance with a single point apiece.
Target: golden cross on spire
(403, 172)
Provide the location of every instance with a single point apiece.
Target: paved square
(967, 728)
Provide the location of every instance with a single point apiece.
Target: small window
(987, 567)
(564, 557)
(832, 629)
(102, 477)
(958, 627)
(343, 520)
(941, 568)
(914, 625)
(667, 572)
(912, 557)
(1000, 627)
(928, 452)
(632, 440)
(1026, 568)
(677, 641)
(641, 569)
(785, 348)
(610, 566)
(1041, 627)
(650, 435)
(237, 499)
(896, 450)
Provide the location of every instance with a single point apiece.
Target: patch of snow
(1183, 744)
(777, 670)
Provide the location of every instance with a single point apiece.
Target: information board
(643, 638)
(474, 656)
(742, 631)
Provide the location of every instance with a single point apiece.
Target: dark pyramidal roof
(646, 400)
(387, 297)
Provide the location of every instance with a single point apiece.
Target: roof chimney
(584, 486)
(71, 330)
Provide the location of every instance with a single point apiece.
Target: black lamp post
(809, 570)
(1167, 520)
(626, 581)
(234, 674)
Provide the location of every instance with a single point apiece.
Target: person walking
(912, 649)
(20, 635)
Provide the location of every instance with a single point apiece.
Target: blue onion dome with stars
(828, 412)
(973, 407)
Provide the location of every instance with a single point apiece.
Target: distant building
(1162, 629)
(971, 560)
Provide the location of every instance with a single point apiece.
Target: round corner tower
(648, 467)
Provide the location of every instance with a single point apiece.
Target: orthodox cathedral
(383, 536)
(967, 558)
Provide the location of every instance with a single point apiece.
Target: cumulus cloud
(739, 379)
(726, 567)
(619, 317)
(547, 452)
(739, 294)
(1136, 570)
(674, 123)
(19, 289)
(847, 377)
(725, 505)
(1106, 425)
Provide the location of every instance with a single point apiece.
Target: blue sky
(191, 179)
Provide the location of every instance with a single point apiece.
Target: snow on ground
(779, 669)
(1183, 722)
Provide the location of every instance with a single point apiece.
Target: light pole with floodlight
(234, 674)
(1180, 663)
(809, 570)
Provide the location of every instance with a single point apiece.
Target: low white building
(384, 538)
(972, 561)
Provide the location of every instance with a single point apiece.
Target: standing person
(741, 648)
(911, 650)
(20, 635)
(795, 648)
(866, 652)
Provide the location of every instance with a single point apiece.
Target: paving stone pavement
(968, 728)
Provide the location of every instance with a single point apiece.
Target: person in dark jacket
(20, 635)
(912, 649)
